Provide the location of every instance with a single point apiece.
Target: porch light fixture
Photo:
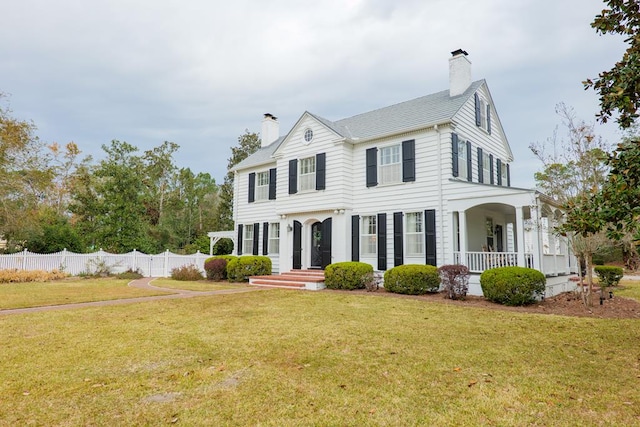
(289, 228)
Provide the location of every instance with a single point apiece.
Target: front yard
(279, 358)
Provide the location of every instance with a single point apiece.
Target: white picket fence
(159, 265)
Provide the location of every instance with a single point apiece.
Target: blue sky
(199, 73)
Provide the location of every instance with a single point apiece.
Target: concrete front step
(295, 279)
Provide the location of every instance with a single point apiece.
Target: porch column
(462, 224)
(520, 236)
(537, 236)
(552, 241)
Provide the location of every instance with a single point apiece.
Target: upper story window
(486, 168)
(308, 174)
(390, 166)
(483, 113)
(463, 171)
(504, 171)
(262, 185)
(415, 233)
(368, 238)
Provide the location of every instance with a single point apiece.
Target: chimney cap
(459, 52)
(270, 116)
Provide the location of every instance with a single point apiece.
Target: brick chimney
(270, 130)
(459, 72)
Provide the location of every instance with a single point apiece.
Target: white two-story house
(426, 181)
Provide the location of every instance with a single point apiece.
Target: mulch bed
(566, 304)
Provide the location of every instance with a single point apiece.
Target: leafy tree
(56, 234)
(248, 143)
(619, 88)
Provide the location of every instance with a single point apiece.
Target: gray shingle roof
(420, 112)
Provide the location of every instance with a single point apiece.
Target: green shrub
(348, 275)
(512, 285)
(130, 275)
(240, 269)
(207, 262)
(608, 275)
(412, 279)
(186, 273)
(455, 280)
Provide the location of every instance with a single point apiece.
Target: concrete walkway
(144, 283)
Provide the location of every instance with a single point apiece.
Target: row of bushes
(21, 276)
(504, 285)
(236, 269)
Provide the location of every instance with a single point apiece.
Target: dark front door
(316, 241)
(499, 246)
(297, 245)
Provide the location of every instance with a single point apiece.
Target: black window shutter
(408, 160)
(256, 237)
(489, 119)
(398, 252)
(325, 244)
(499, 171)
(491, 181)
(454, 154)
(265, 238)
(355, 238)
(293, 176)
(477, 99)
(469, 168)
(382, 241)
(430, 236)
(272, 184)
(252, 187)
(480, 174)
(321, 170)
(239, 242)
(372, 167)
(508, 175)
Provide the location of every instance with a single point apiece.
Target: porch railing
(477, 262)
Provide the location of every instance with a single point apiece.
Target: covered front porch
(509, 230)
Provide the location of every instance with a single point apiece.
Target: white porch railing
(159, 265)
(477, 262)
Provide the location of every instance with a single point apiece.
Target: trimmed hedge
(239, 269)
(513, 285)
(608, 275)
(208, 267)
(412, 279)
(348, 275)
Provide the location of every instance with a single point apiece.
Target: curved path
(144, 283)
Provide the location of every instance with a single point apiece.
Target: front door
(321, 244)
(499, 246)
(316, 241)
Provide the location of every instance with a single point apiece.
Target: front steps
(295, 279)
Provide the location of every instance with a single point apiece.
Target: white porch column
(520, 236)
(464, 246)
(538, 263)
(552, 241)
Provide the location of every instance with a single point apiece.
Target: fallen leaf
(174, 420)
(472, 383)
(457, 369)
(26, 393)
(97, 385)
(373, 411)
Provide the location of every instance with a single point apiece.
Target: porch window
(390, 166)
(247, 240)
(262, 185)
(274, 238)
(463, 171)
(368, 238)
(308, 174)
(415, 234)
(490, 244)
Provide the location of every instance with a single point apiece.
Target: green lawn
(629, 289)
(202, 285)
(72, 290)
(290, 358)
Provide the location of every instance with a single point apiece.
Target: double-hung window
(247, 239)
(486, 168)
(390, 165)
(463, 171)
(274, 238)
(414, 232)
(262, 185)
(503, 173)
(308, 174)
(368, 237)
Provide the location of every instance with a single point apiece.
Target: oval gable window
(308, 135)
